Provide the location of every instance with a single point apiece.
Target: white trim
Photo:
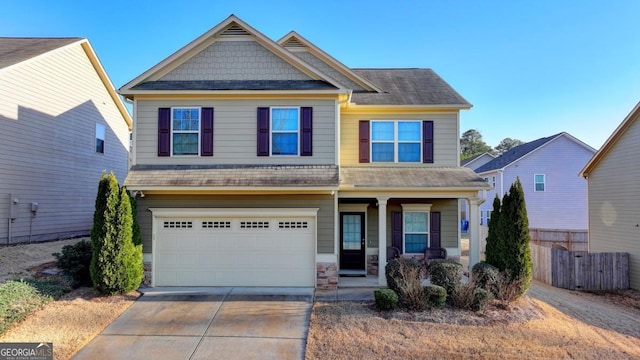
(544, 183)
(234, 212)
(297, 154)
(353, 207)
(416, 207)
(186, 132)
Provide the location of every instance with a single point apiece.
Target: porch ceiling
(410, 178)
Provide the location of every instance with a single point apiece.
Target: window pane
(539, 178)
(186, 119)
(415, 243)
(351, 237)
(382, 130)
(284, 119)
(382, 152)
(100, 131)
(408, 131)
(415, 222)
(100, 146)
(185, 144)
(284, 144)
(408, 152)
(539, 187)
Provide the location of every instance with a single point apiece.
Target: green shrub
(49, 287)
(116, 265)
(17, 300)
(481, 298)
(404, 277)
(75, 261)
(386, 299)
(435, 295)
(485, 275)
(470, 297)
(445, 273)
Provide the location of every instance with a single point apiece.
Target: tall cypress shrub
(132, 267)
(492, 251)
(516, 235)
(137, 236)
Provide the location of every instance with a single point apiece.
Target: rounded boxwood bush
(436, 295)
(386, 299)
(445, 273)
(485, 276)
(397, 272)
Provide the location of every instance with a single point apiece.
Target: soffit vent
(294, 44)
(234, 30)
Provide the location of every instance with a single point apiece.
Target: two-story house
(61, 125)
(548, 169)
(270, 163)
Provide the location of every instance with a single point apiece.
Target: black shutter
(306, 126)
(164, 131)
(364, 141)
(206, 135)
(434, 234)
(396, 230)
(427, 142)
(263, 131)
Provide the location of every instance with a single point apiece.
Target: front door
(352, 242)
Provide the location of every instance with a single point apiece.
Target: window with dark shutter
(396, 230)
(434, 235)
(306, 126)
(206, 132)
(427, 142)
(364, 141)
(263, 131)
(164, 132)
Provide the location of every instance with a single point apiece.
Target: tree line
(471, 144)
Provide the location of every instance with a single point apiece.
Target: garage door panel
(235, 252)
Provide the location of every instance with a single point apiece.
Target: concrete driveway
(208, 323)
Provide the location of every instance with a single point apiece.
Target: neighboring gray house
(613, 177)
(548, 170)
(472, 163)
(61, 125)
(270, 163)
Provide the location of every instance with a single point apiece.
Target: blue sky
(530, 68)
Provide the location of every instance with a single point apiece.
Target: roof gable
(231, 29)
(617, 134)
(470, 162)
(309, 52)
(515, 154)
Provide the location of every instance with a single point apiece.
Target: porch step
(352, 273)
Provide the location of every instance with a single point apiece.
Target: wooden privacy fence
(578, 270)
(573, 240)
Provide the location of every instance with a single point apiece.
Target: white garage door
(234, 251)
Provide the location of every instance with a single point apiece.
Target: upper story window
(493, 182)
(284, 131)
(539, 182)
(185, 131)
(100, 136)
(396, 141)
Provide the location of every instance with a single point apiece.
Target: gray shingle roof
(16, 50)
(410, 178)
(145, 176)
(407, 87)
(236, 85)
(515, 154)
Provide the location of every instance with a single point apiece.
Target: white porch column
(474, 231)
(382, 239)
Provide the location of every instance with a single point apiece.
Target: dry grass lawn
(532, 330)
(70, 322)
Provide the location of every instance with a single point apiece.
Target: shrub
(386, 299)
(404, 277)
(435, 295)
(445, 273)
(507, 289)
(485, 275)
(49, 287)
(116, 265)
(481, 298)
(17, 300)
(75, 261)
(470, 297)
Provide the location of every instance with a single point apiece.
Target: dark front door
(352, 243)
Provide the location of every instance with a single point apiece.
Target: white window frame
(413, 208)
(186, 132)
(535, 183)
(271, 131)
(493, 182)
(395, 141)
(104, 135)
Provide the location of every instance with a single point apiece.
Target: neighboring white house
(548, 169)
(613, 176)
(61, 125)
(472, 163)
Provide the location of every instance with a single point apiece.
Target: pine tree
(116, 264)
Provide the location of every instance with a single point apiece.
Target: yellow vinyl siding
(445, 137)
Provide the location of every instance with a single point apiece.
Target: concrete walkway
(208, 323)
